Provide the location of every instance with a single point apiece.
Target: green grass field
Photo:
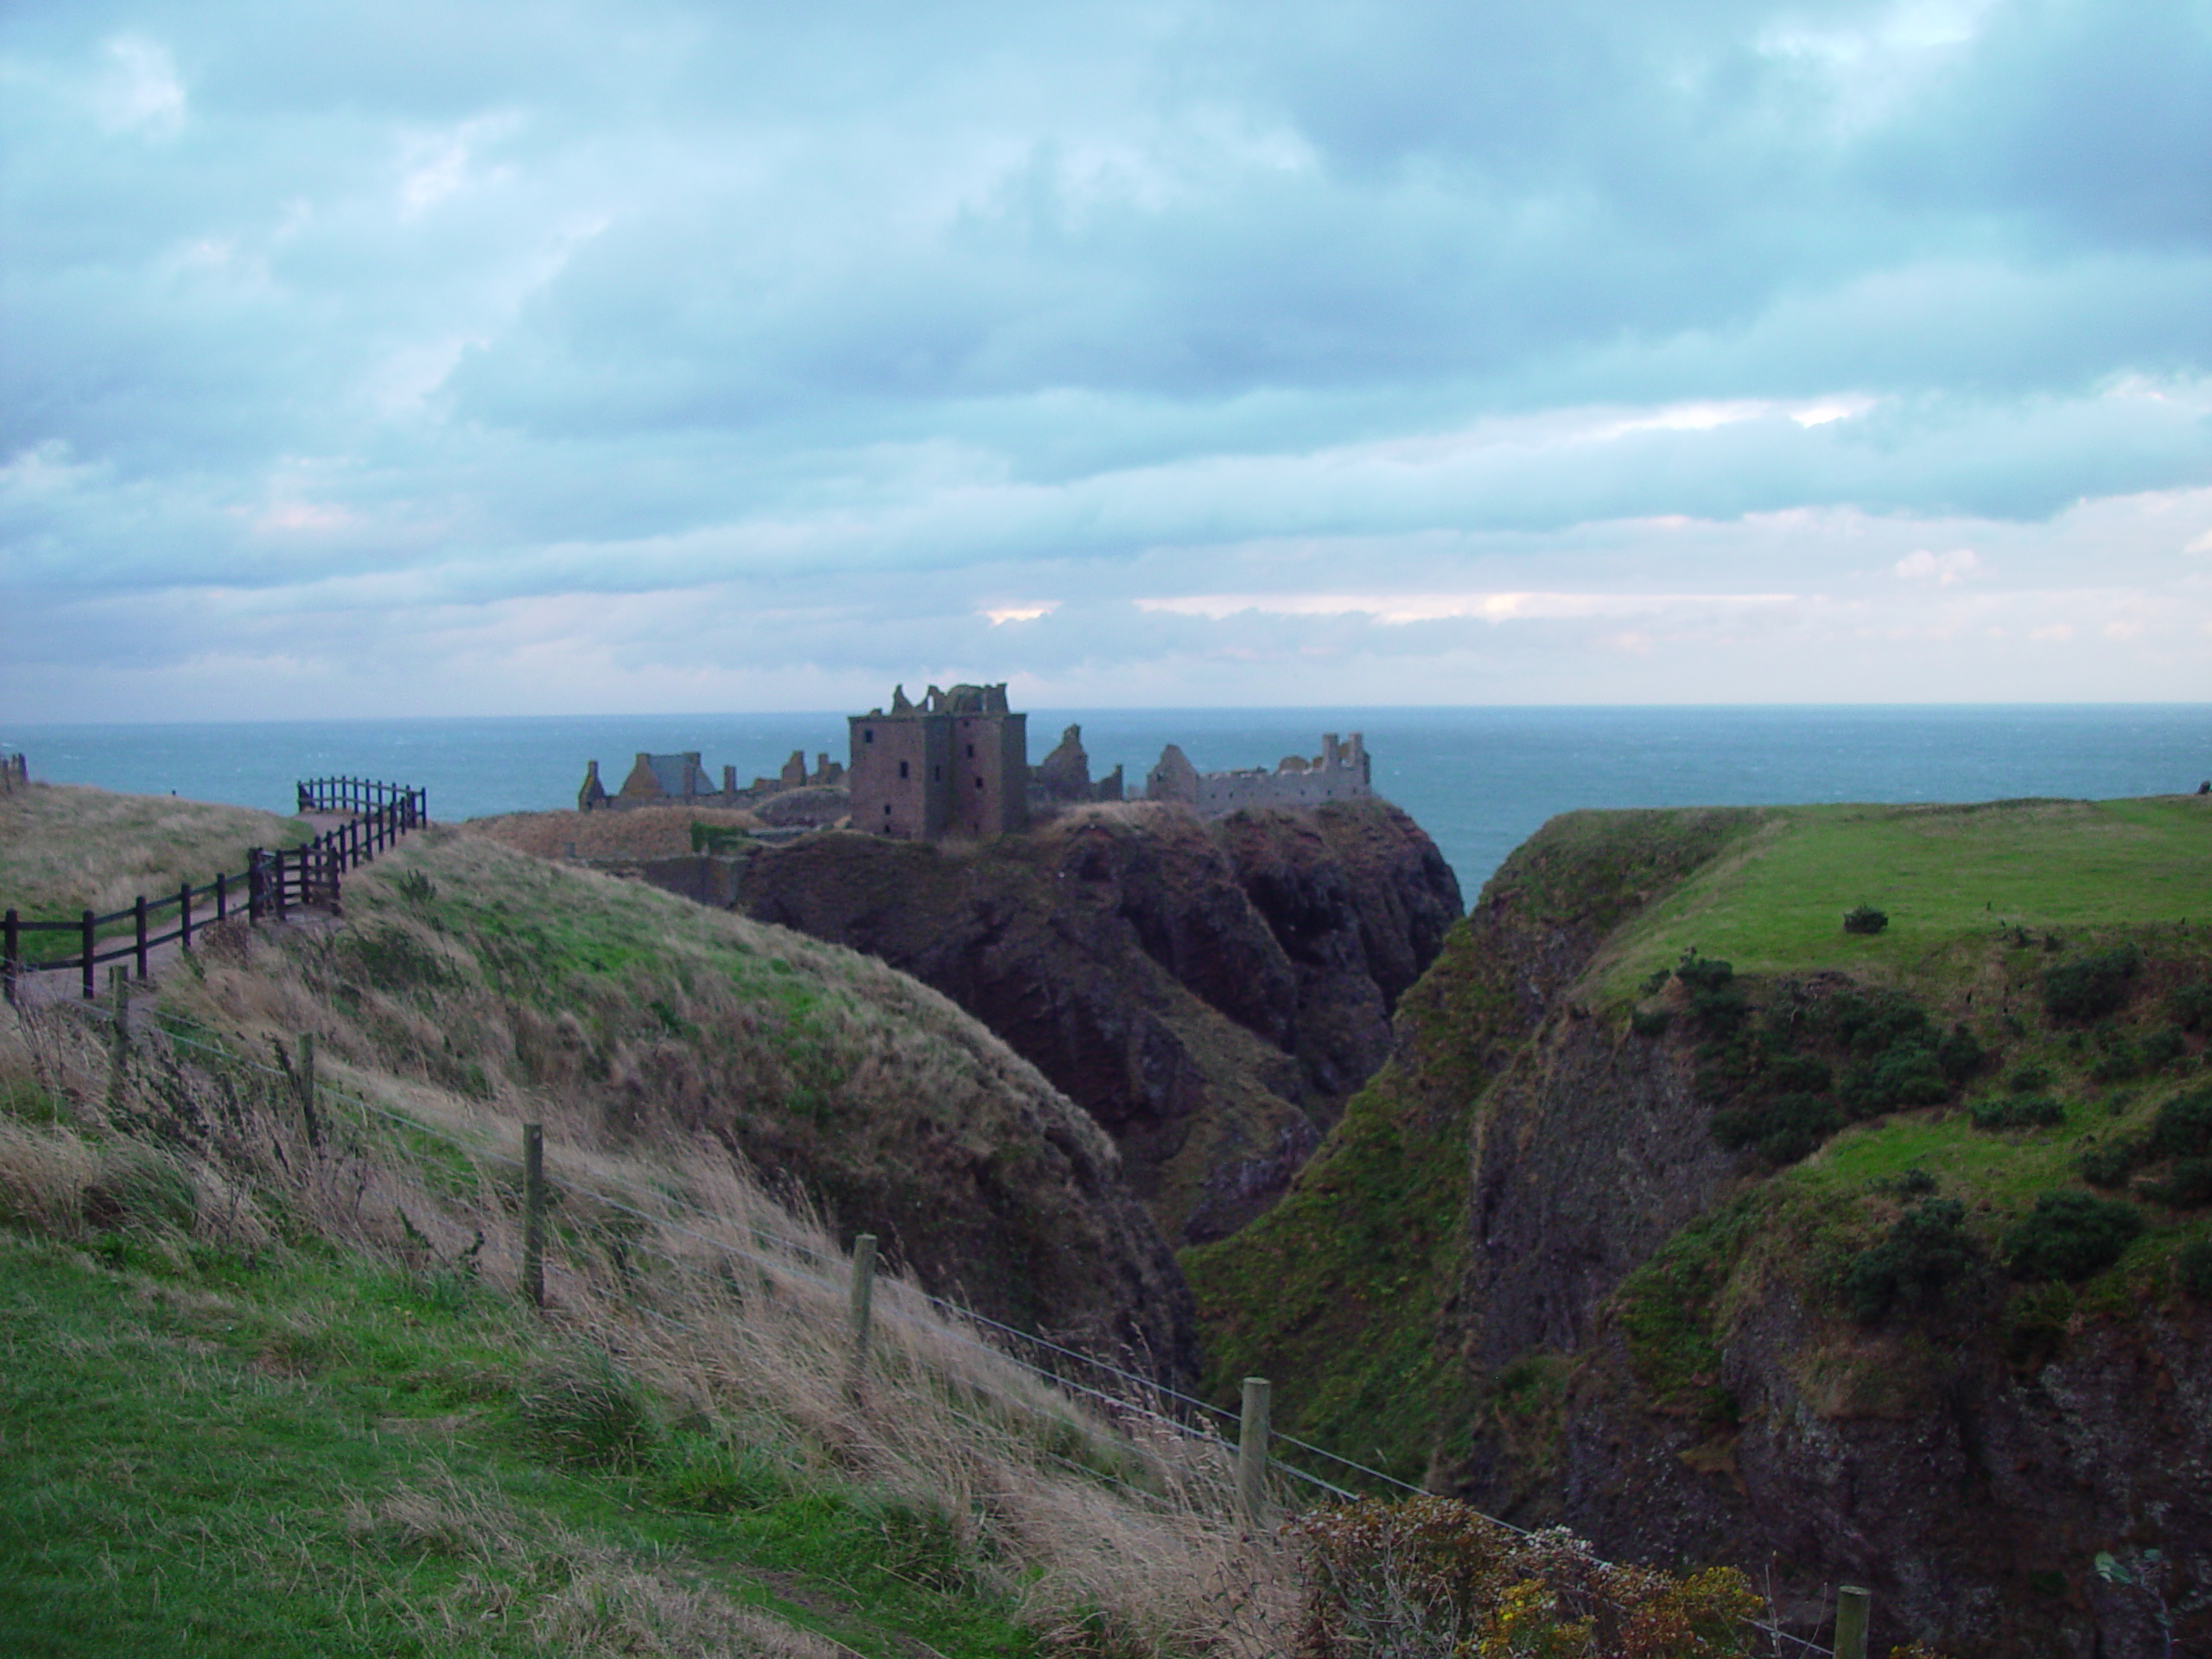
(307, 1453)
(1774, 902)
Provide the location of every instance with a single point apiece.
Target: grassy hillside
(1339, 1292)
(269, 1386)
(65, 848)
(1353, 1293)
(1947, 877)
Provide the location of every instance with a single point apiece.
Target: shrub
(1927, 1250)
(583, 1410)
(1703, 973)
(2069, 1235)
(2191, 1005)
(2019, 1112)
(1864, 918)
(2193, 1267)
(2031, 1079)
(2111, 1164)
(1870, 1022)
(1906, 1075)
(2184, 1127)
(1721, 1010)
(1650, 1023)
(2188, 1185)
(1802, 1074)
(1781, 1129)
(1959, 1056)
(2163, 1048)
(1426, 1574)
(2092, 985)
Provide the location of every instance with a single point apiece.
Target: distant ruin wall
(1339, 772)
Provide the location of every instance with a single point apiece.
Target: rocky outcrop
(1209, 993)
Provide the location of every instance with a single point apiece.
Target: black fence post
(184, 915)
(336, 865)
(253, 884)
(138, 914)
(11, 956)
(281, 910)
(89, 925)
(222, 896)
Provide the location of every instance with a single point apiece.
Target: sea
(1479, 780)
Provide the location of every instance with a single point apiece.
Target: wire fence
(1122, 1398)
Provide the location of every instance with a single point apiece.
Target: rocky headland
(1209, 992)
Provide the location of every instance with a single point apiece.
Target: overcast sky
(424, 359)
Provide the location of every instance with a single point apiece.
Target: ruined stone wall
(990, 774)
(899, 775)
(1341, 772)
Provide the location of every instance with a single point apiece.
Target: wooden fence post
(90, 926)
(11, 954)
(862, 1307)
(307, 1090)
(1252, 1453)
(281, 910)
(222, 896)
(184, 915)
(1851, 1606)
(139, 912)
(533, 1213)
(253, 885)
(119, 1045)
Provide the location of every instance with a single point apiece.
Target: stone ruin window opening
(902, 768)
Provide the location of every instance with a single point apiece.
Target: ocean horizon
(1480, 781)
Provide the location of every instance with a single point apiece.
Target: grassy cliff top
(1944, 875)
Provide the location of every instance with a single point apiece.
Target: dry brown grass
(65, 848)
(636, 832)
(721, 1302)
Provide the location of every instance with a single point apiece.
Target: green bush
(1864, 918)
(1703, 973)
(2091, 985)
(2112, 1163)
(2191, 1005)
(1926, 1252)
(1651, 1023)
(2069, 1235)
(1869, 1022)
(1802, 1074)
(2031, 1079)
(1960, 1056)
(2188, 1185)
(1781, 1129)
(2193, 1267)
(1905, 1074)
(2183, 1128)
(585, 1411)
(2163, 1048)
(2019, 1112)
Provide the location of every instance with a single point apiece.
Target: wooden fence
(273, 883)
(15, 773)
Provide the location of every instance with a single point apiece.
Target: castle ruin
(1339, 772)
(956, 763)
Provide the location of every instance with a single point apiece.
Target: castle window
(868, 734)
(902, 768)
(936, 774)
(971, 751)
(979, 783)
(887, 808)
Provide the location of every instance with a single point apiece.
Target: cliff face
(1523, 1267)
(1207, 992)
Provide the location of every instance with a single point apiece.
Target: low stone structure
(681, 780)
(1063, 778)
(1339, 772)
